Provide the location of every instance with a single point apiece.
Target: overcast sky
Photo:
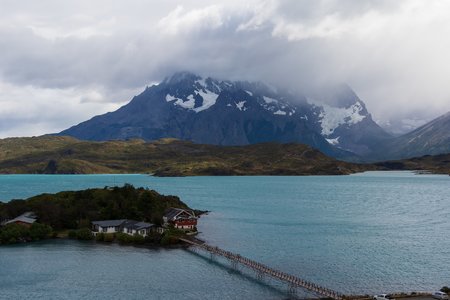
(62, 62)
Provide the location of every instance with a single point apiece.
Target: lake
(365, 233)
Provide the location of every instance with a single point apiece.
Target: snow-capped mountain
(205, 110)
(345, 122)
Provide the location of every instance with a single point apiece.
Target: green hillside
(166, 157)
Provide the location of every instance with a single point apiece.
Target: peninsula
(126, 214)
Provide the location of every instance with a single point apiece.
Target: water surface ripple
(364, 233)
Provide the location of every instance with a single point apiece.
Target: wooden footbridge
(261, 270)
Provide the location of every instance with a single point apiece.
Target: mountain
(432, 138)
(221, 112)
(167, 157)
(345, 121)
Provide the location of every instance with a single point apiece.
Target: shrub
(100, 237)
(124, 238)
(108, 237)
(39, 231)
(84, 234)
(13, 233)
(171, 236)
(168, 239)
(72, 234)
(445, 289)
(153, 237)
(138, 239)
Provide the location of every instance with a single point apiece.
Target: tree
(39, 231)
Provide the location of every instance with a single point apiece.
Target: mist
(63, 63)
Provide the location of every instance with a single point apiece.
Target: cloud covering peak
(63, 62)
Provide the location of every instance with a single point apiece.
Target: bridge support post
(259, 275)
(234, 264)
(212, 256)
(292, 289)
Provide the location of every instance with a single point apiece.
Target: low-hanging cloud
(67, 61)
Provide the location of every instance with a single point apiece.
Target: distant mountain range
(221, 112)
(432, 138)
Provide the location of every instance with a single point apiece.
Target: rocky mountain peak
(207, 110)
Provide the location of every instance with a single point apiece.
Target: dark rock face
(209, 111)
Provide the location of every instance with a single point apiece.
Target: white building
(130, 227)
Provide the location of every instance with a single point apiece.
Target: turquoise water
(365, 233)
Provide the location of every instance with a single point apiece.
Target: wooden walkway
(261, 269)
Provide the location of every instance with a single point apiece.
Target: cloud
(92, 56)
(36, 111)
(181, 21)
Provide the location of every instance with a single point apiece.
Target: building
(26, 219)
(134, 227)
(130, 227)
(180, 218)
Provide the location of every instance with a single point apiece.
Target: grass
(166, 157)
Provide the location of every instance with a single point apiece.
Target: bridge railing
(259, 267)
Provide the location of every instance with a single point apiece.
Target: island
(124, 214)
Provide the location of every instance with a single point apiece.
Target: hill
(438, 164)
(166, 157)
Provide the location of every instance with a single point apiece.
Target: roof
(29, 214)
(22, 219)
(109, 223)
(27, 217)
(137, 225)
(174, 212)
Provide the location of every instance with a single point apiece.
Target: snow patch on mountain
(280, 112)
(209, 99)
(240, 105)
(334, 142)
(269, 100)
(170, 98)
(201, 82)
(331, 117)
(186, 104)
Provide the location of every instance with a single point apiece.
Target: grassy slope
(167, 157)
